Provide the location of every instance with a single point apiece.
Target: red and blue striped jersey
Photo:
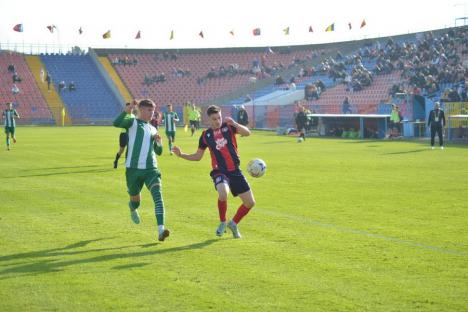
(223, 147)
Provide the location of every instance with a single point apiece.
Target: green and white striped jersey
(169, 120)
(141, 149)
(9, 116)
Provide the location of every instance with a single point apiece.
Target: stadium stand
(29, 102)
(92, 102)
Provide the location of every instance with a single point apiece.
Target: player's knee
(250, 203)
(134, 204)
(135, 198)
(222, 196)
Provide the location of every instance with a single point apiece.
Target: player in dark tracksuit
(301, 122)
(436, 121)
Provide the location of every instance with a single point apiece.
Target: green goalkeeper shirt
(142, 148)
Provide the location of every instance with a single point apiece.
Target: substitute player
(9, 115)
(141, 164)
(220, 138)
(169, 119)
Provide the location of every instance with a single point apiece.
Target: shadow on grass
(407, 152)
(56, 168)
(37, 265)
(59, 173)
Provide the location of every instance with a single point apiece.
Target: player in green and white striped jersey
(144, 143)
(169, 120)
(9, 115)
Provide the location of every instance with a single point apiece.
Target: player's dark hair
(127, 104)
(213, 109)
(146, 103)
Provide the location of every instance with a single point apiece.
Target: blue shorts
(235, 179)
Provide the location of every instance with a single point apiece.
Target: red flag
(51, 28)
(201, 34)
(363, 23)
(80, 31)
(311, 29)
(18, 28)
(138, 35)
(350, 26)
(256, 32)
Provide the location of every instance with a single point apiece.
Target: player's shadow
(57, 168)
(407, 152)
(36, 265)
(59, 173)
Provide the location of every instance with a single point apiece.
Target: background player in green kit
(9, 115)
(169, 120)
(144, 143)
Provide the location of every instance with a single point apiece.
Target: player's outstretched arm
(242, 130)
(158, 144)
(192, 157)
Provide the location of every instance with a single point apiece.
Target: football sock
(241, 212)
(161, 228)
(117, 156)
(158, 204)
(134, 204)
(8, 141)
(222, 208)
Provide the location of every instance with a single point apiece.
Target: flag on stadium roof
(232, 32)
(311, 29)
(330, 28)
(51, 28)
(269, 50)
(107, 35)
(286, 31)
(363, 23)
(256, 32)
(18, 28)
(172, 35)
(138, 35)
(80, 31)
(201, 34)
(350, 26)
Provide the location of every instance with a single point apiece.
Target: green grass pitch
(339, 225)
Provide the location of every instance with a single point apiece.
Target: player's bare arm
(242, 130)
(198, 155)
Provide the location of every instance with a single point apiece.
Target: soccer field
(339, 225)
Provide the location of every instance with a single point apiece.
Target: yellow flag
(107, 35)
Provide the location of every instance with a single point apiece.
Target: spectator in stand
(15, 90)
(61, 86)
(346, 106)
(11, 68)
(16, 78)
(279, 80)
(49, 80)
(71, 86)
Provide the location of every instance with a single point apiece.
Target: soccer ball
(300, 140)
(256, 168)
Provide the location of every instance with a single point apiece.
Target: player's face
(146, 113)
(216, 120)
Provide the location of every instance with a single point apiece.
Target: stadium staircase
(92, 102)
(53, 100)
(116, 79)
(29, 101)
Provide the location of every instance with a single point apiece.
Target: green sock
(8, 141)
(158, 204)
(134, 204)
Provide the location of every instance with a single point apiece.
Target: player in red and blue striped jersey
(220, 139)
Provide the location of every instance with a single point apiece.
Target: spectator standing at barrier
(301, 122)
(71, 86)
(394, 121)
(437, 122)
(61, 85)
(242, 116)
(346, 106)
